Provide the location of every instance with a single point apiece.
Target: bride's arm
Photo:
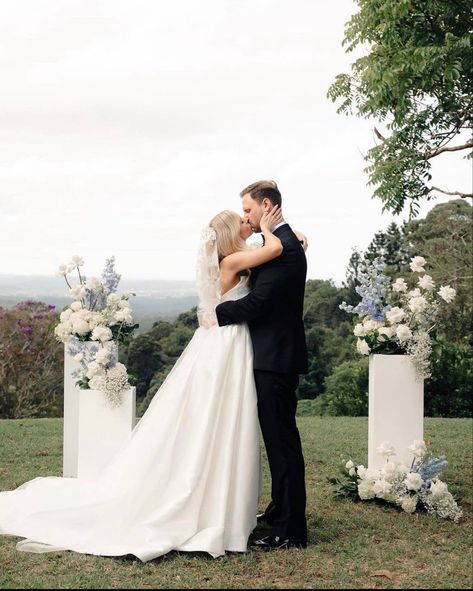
(247, 259)
(302, 239)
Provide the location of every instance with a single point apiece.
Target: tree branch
(462, 195)
(438, 151)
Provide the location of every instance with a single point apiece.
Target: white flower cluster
(408, 488)
(96, 314)
(407, 324)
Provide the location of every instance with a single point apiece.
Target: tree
(417, 78)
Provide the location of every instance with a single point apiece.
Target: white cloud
(125, 126)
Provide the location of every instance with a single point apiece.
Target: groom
(273, 311)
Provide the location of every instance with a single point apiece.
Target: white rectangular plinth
(396, 407)
(102, 429)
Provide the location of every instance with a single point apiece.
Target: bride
(188, 478)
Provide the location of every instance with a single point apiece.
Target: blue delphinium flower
(109, 276)
(372, 289)
(433, 468)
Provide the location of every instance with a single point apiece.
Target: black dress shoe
(277, 543)
(263, 518)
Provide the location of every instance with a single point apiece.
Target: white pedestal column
(396, 407)
(102, 429)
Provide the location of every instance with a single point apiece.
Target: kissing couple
(189, 477)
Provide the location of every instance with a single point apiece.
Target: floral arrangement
(98, 314)
(397, 319)
(410, 489)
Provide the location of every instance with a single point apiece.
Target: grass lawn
(349, 543)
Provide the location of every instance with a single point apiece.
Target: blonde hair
(227, 227)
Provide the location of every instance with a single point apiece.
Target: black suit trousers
(277, 404)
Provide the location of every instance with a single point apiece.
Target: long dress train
(188, 479)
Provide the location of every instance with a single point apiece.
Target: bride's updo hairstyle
(227, 227)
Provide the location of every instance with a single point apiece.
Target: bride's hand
(302, 239)
(271, 219)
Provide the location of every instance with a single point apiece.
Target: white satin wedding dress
(188, 479)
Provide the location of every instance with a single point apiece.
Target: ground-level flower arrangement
(395, 318)
(411, 489)
(97, 314)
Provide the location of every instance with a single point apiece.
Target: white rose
(97, 382)
(381, 488)
(417, 264)
(403, 333)
(101, 333)
(361, 472)
(409, 504)
(62, 271)
(389, 470)
(417, 304)
(95, 319)
(369, 325)
(124, 316)
(395, 314)
(94, 369)
(349, 464)
(400, 285)
(387, 331)
(63, 331)
(401, 469)
(365, 490)
(418, 448)
(413, 481)
(359, 330)
(447, 293)
(79, 357)
(438, 489)
(352, 471)
(362, 347)
(426, 282)
(81, 327)
(386, 449)
(93, 283)
(77, 261)
(77, 291)
(415, 293)
(124, 304)
(371, 474)
(113, 298)
(76, 306)
(65, 315)
(103, 356)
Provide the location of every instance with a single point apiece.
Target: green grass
(348, 541)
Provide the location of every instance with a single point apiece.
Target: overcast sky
(126, 125)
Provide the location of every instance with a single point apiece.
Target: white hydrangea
(389, 471)
(409, 504)
(80, 327)
(365, 490)
(76, 306)
(382, 488)
(103, 356)
(93, 369)
(77, 291)
(63, 331)
(101, 333)
(64, 316)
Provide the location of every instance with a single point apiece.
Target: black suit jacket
(273, 309)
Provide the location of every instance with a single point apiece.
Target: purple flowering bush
(31, 362)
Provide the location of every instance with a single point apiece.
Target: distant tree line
(31, 361)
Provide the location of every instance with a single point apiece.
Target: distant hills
(156, 299)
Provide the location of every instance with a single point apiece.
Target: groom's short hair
(261, 189)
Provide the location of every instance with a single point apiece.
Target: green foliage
(417, 77)
(346, 390)
(448, 392)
